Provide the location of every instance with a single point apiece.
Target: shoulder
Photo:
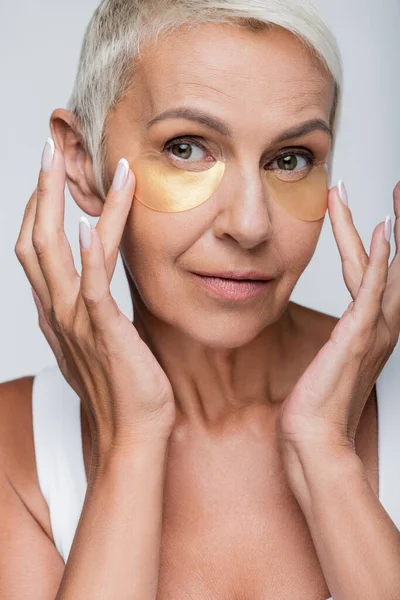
(17, 452)
(15, 422)
(313, 327)
(314, 321)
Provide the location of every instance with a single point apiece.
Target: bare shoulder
(311, 330)
(17, 451)
(316, 323)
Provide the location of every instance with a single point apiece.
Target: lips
(233, 289)
(238, 276)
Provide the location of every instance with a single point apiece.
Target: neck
(213, 386)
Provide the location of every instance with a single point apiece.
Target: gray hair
(119, 29)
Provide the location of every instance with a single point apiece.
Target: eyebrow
(204, 118)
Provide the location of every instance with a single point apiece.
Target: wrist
(308, 466)
(147, 454)
(106, 446)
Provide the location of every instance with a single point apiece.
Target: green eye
(184, 149)
(289, 162)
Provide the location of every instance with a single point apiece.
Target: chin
(209, 323)
(218, 332)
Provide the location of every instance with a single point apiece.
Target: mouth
(237, 275)
(233, 288)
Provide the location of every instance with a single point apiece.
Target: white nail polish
(47, 155)
(388, 227)
(121, 175)
(85, 234)
(343, 192)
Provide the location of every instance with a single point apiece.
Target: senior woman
(225, 441)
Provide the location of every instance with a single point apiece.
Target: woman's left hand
(324, 407)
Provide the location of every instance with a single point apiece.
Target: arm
(127, 396)
(116, 548)
(30, 565)
(115, 551)
(357, 543)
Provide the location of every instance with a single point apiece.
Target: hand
(326, 403)
(127, 395)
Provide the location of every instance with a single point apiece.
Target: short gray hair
(119, 29)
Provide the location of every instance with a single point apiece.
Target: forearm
(116, 549)
(358, 545)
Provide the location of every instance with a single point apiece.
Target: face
(259, 85)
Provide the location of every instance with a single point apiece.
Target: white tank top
(59, 454)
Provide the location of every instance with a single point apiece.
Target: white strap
(59, 454)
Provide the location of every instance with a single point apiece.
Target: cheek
(152, 246)
(152, 243)
(297, 244)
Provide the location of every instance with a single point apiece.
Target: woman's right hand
(127, 395)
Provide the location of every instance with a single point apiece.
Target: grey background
(39, 48)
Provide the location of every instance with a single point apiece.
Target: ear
(67, 135)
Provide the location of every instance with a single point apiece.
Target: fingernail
(343, 192)
(85, 235)
(388, 227)
(121, 175)
(47, 155)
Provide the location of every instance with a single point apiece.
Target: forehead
(234, 70)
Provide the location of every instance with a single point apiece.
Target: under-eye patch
(164, 187)
(303, 196)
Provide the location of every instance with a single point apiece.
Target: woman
(228, 434)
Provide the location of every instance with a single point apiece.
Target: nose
(243, 208)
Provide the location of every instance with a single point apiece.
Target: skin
(235, 357)
(230, 366)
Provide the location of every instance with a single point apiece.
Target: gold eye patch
(165, 187)
(305, 198)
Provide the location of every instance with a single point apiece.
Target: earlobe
(67, 137)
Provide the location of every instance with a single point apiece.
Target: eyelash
(308, 154)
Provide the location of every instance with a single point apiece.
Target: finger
(368, 302)
(48, 236)
(112, 221)
(95, 288)
(391, 305)
(351, 249)
(396, 228)
(47, 330)
(27, 256)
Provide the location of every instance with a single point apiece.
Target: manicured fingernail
(343, 192)
(121, 175)
(47, 155)
(85, 235)
(388, 227)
